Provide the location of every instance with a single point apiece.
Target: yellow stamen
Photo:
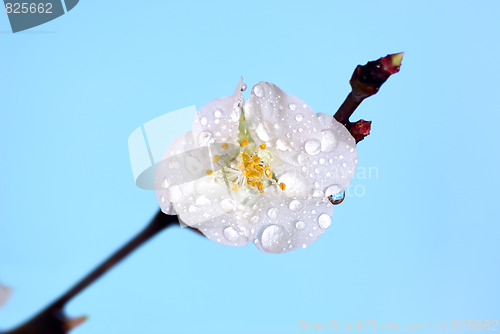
(244, 142)
(235, 186)
(260, 186)
(282, 186)
(225, 146)
(210, 172)
(263, 146)
(216, 158)
(256, 159)
(246, 157)
(268, 171)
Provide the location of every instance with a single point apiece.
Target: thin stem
(52, 319)
(347, 108)
(158, 224)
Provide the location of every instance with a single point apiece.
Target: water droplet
(328, 140)
(322, 161)
(254, 219)
(341, 157)
(311, 235)
(292, 106)
(332, 190)
(217, 113)
(164, 183)
(281, 144)
(273, 238)
(302, 158)
(235, 115)
(262, 132)
(227, 205)
(300, 225)
(295, 205)
(337, 198)
(243, 87)
(312, 146)
(258, 91)
(344, 164)
(299, 117)
(324, 221)
(205, 138)
(193, 209)
(273, 213)
(318, 193)
(231, 234)
(202, 200)
(162, 199)
(203, 120)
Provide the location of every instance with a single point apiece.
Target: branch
(366, 81)
(52, 319)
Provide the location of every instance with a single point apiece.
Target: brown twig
(366, 81)
(52, 319)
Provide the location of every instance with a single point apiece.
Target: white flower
(259, 171)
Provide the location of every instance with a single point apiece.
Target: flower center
(251, 168)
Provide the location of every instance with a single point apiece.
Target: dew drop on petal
(324, 221)
(273, 238)
(281, 144)
(258, 91)
(300, 225)
(273, 213)
(295, 205)
(193, 209)
(227, 205)
(312, 146)
(328, 140)
(203, 120)
(162, 199)
(262, 133)
(231, 234)
(202, 200)
(332, 190)
(164, 183)
(337, 197)
(302, 158)
(243, 87)
(292, 106)
(318, 193)
(299, 117)
(218, 113)
(254, 219)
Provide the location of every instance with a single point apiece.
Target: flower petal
(163, 179)
(284, 224)
(218, 120)
(321, 149)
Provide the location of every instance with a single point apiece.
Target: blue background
(419, 244)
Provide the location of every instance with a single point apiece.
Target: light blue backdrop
(418, 242)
